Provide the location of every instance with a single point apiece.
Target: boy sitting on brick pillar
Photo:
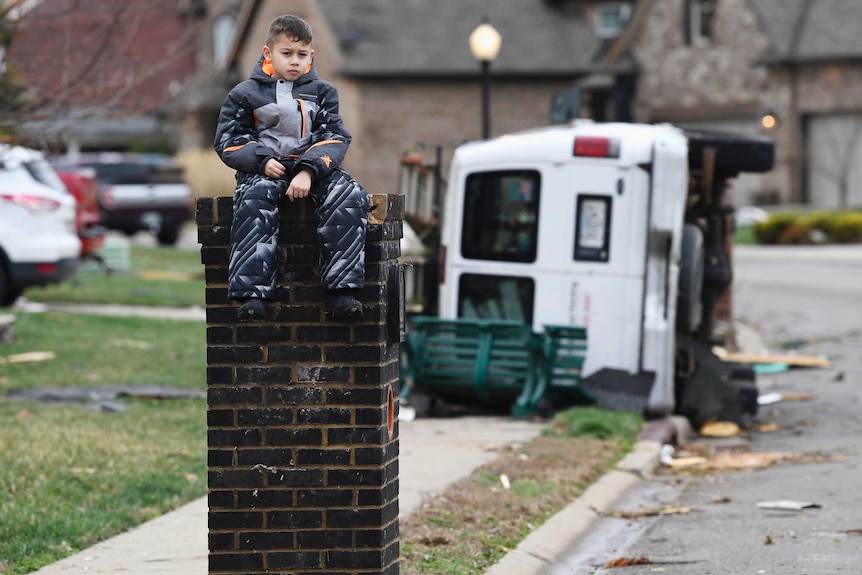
(281, 131)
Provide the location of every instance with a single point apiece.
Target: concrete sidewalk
(433, 454)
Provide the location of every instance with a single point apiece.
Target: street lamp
(485, 45)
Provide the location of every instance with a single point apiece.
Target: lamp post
(485, 45)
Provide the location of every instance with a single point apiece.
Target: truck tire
(689, 308)
(168, 235)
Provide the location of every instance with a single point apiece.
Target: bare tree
(86, 58)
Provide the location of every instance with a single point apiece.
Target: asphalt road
(802, 300)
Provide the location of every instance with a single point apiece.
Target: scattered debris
(7, 334)
(768, 398)
(627, 562)
(797, 343)
(504, 480)
(734, 461)
(770, 368)
(30, 356)
(663, 510)
(788, 505)
(767, 427)
(768, 540)
(687, 462)
(665, 454)
(852, 531)
(102, 393)
(406, 413)
(798, 396)
(169, 275)
(754, 358)
(724, 499)
(106, 407)
(720, 429)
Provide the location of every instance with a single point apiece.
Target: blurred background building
(100, 74)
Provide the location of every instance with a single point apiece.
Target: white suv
(39, 243)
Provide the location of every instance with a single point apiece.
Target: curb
(545, 546)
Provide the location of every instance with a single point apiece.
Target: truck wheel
(168, 235)
(689, 308)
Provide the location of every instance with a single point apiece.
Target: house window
(698, 21)
(611, 18)
(224, 29)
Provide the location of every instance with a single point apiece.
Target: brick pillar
(302, 417)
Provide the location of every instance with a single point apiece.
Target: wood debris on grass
(168, 275)
(27, 357)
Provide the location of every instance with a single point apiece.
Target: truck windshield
(501, 216)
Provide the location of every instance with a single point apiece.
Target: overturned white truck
(619, 228)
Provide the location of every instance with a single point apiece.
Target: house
(408, 82)
(791, 69)
(411, 90)
(104, 74)
(410, 86)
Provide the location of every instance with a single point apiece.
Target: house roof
(811, 30)
(430, 38)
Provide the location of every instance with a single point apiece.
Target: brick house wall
(389, 117)
(722, 84)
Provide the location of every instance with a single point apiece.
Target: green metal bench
(489, 361)
(564, 350)
(494, 362)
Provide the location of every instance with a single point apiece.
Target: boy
(280, 130)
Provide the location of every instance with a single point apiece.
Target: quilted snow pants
(341, 207)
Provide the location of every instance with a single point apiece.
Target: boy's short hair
(291, 26)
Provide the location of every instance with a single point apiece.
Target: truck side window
(593, 228)
(501, 216)
(496, 297)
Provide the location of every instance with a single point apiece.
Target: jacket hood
(261, 75)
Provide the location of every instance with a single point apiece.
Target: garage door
(834, 160)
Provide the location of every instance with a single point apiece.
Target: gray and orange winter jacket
(295, 122)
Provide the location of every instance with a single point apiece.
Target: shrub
(815, 227)
(770, 231)
(847, 227)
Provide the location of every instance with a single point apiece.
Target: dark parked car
(138, 192)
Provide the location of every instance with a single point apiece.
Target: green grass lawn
(160, 276)
(72, 475)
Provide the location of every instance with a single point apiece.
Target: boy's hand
(273, 169)
(299, 185)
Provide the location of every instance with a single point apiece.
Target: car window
(43, 173)
(120, 172)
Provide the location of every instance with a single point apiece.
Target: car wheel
(168, 236)
(689, 307)
(8, 295)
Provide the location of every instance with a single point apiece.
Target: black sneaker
(252, 310)
(343, 306)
